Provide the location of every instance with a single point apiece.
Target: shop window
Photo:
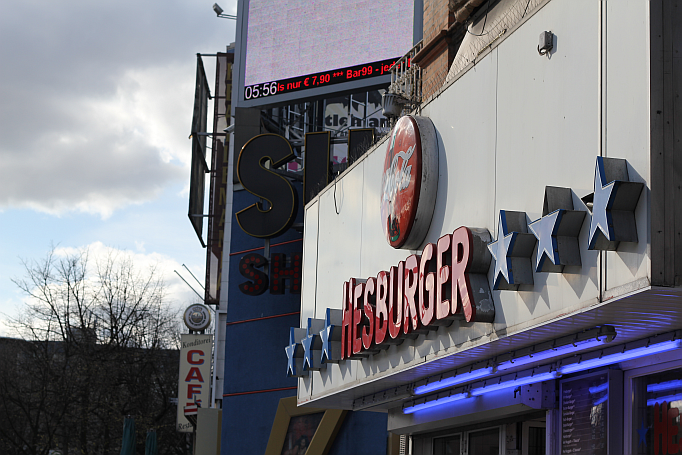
(656, 409)
(536, 441)
(485, 442)
(448, 445)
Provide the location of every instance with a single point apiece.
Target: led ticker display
(294, 84)
(292, 49)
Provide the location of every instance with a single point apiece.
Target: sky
(95, 113)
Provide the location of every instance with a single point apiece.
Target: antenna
(190, 286)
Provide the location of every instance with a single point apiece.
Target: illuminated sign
(195, 376)
(409, 182)
(447, 281)
(290, 49)
(280, 273)
(322, 79)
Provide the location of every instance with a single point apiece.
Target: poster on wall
(584, 404)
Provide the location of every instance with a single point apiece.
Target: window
(485, 442)
(448, 445)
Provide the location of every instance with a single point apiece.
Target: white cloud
(97, 100)
(178, 294)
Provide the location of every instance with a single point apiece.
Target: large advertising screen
(293, 49)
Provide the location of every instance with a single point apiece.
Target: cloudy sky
(95, 112)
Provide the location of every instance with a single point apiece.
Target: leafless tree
(96, 342)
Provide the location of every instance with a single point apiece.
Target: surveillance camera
(218, 10)
(229, 129)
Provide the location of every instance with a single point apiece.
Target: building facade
(500, 274)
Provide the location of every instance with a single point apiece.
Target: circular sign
(409, 182)
(197, 317)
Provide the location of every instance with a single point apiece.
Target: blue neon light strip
(620, 357)
(549, 353)
(599, 388)
(601, 400)
(453, 380)
(667, 399)
(668, 385)
(514, 382)
(438, 402)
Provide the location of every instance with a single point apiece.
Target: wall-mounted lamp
(219, 12)
(546, 43)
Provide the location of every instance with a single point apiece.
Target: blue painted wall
(255, 360)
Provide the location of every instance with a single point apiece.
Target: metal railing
(406, 79)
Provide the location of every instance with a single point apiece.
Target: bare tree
(97, 342)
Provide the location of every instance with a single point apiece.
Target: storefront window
(448, 445)
(584, 403)
(656, 413)
(486, 442)
(536, 441)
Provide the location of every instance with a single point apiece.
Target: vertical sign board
(194, 382)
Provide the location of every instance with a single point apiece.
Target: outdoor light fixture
(377, 399)
(536, 353)
(432, 403)
(616, 355)
(523, 378)
(560, 347)
(577, 363)
(460, 377)
(219, 12)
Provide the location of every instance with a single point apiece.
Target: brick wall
(437, 17)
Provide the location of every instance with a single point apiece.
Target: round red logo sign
(409, 182)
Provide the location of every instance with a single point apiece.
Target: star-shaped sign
(512, 251)
(557, 232)
(545, 230)
(294, 352)
(642, 430)
(330, 337)
(613, 205)
(311, 345)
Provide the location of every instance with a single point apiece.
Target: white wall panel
(340, 237)
(511, 125)
(548, 135)
(309, 285)
(627, 125)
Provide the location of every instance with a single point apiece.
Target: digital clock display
(324, 78)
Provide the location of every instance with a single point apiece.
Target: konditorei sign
(194, 381)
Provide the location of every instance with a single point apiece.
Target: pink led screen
(290, 38)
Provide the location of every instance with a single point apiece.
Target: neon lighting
(601, 400)
(599, 388)
(549, 353)
(453, 380)
(620, 357)
(668, 399)
(438, 402)
(514, 382)
(668, 385)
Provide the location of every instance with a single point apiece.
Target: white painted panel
(548, 135)
(340, 239)
(309, 285)
(511, 125)
(627, 125)
(377, 254)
